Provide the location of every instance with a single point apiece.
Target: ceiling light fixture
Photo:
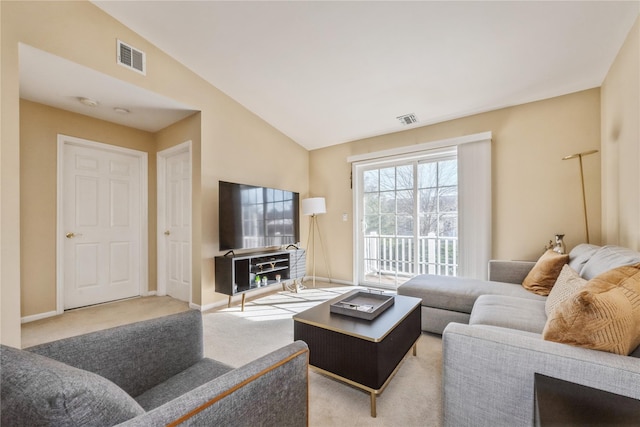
(121, 110)
(88, 102)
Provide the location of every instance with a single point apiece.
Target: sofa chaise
(150, 373)
(493, 341)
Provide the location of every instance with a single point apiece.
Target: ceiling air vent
(131, 57)
(407, 119)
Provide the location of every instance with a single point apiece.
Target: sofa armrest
(136, 356)
(488, 373)
(509, 271)
(271, 390)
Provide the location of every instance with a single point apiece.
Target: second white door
(174, 259)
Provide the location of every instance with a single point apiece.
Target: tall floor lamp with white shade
(313, 207)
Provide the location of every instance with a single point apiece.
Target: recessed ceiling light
(121, 110)
(88, 102)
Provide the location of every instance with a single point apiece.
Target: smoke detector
(407, 119)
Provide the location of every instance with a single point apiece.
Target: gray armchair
(150, 373)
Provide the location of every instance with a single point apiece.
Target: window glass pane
(371, 204)
(448, 199)
(387, 225)
(448, 225)
(448, 172)
(427, 175)
(387, 179)
(371, 180)
(388, 202)
(372, 225)
(405, 226)
(428, 201)
(404, 177)
(404, 202)
(429, 225)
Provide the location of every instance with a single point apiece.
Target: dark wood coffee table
(363, 353)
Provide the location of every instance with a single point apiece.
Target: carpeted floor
(412, 398)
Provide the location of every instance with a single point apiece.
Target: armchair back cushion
(122, 355)
(38, 391)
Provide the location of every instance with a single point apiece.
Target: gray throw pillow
(38, 391)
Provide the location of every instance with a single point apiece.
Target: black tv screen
(252, 217)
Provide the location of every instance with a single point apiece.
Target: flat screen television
(252, 217)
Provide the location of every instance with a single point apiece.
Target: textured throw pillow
(544, 274)
(604, 315)
(38, 391)
(568, 283)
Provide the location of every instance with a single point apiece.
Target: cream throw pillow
(544, 274)
(604, 315)
(568, 283)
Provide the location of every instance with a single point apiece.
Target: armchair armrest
(271, 390)
(509, 271)
(488, 373)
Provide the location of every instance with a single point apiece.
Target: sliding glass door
(409, 214)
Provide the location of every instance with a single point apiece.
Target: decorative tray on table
(362, 304)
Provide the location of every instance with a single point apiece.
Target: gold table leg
(243, 295)
(229, 303)
(373, 404)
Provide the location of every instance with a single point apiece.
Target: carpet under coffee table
(363, 353)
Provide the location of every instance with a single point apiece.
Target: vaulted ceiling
(328, 72)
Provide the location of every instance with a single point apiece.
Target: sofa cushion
(521, 314)
(580, 254)
(605, 315)
(568, 283)
(187, 380)
(544, 274)
(457, 293)
(607, 258)
(39, 391)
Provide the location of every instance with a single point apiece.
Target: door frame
(64, 140)
(161, 166)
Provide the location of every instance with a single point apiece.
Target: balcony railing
(392, 260)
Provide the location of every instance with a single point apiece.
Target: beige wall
(535, 193)
(39, 129)
(234, 144)
(621, 146)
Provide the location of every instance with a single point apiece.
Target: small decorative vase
(560, 248)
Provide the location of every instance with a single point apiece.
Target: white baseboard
(148, 294)
(39, 316)
(208, 306)
(326, 279)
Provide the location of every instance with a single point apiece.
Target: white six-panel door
(174, 221)
(102, 207)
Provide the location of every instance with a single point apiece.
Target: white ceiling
(54, 81)
(326, 72)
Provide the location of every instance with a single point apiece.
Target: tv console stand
(239, 274)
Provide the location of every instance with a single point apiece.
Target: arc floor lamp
(584, 198)
(313, 207)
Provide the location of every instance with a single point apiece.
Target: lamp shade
(313, 206)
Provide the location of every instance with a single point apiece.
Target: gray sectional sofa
(493, 345)
(150, 373)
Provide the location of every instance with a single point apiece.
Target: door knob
(166, 233)
(71, 235)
